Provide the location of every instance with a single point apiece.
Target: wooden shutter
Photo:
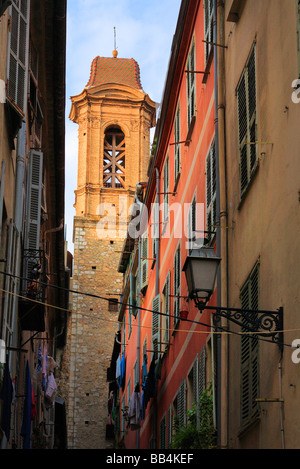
(192, 224)
(132, 295)
(166, 189)
(177, 151)
(144, 260)
(177, 283)
(34, 200)
(249, 353)
(167, 308)
(191, 85)
(155, 337)
(211, 190)
(247, 123)
(170, 425)
(18, 54)
(162, 434)
(9, 304)
(181, 405)
(33, 213)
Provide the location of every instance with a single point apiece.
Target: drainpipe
(219, 244)
(223, 214)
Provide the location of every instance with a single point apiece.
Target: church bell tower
(114, 118)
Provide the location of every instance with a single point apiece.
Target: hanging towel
(134, 411)
(50, 391)
(7, 396)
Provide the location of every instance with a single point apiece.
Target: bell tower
(114, 118)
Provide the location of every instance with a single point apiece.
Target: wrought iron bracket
(267, 324)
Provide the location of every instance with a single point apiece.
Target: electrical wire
(222, 330)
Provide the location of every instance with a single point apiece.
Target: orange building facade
(165, 362)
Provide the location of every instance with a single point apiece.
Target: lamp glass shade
(200, 269)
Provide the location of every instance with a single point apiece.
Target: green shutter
(249, 353)
(144, 260)
(155, 337)
(247, 122)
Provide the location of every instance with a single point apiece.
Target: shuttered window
(155, 332)
(144, 260)
(208, 26)
(247, 122)
(34, 200)
(133, 295)
(177, 148)
(211, 192)
(162, 434)
(249, 297)
(155, 228)
(17, 54)
(201, 377)
(177, 285)
(191, 85)
(166, 310)
(170, 425)
(192, 225)
(33, 212)
(166, 190)
(11, 284)
(181, 405)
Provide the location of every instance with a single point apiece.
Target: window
(249, 297)
(192, 225)
(114, 158)
(124, 333)
(208, 27)
(211, 186)
(128, 391)
(177, 149)
(144, 260)
(155, 228)
(166, 312)
(180, 407)
(170, 425)
(191, 91)
(162, 434)
(123, 421)
(247, 122)
(177, 285)
(166, 191)
(133, 295)
(17, 55)
(155, 333)
(113, 305)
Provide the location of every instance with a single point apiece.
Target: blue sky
(144, 31)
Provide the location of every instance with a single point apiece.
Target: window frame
(191, 83)
(248, 155)
(249, 361)
(177, 286)
(211, 192)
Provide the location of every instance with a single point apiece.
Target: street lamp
(201, 267)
